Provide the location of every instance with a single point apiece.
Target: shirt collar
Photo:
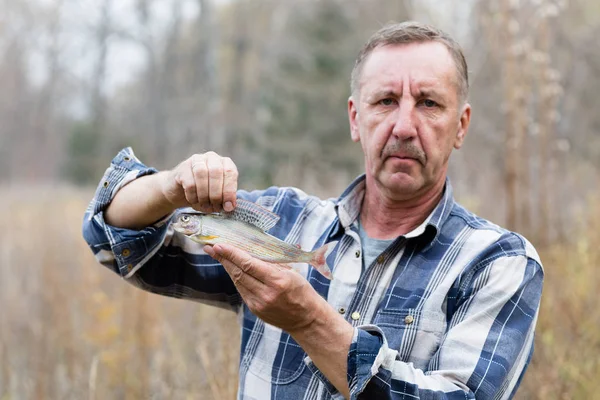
(349, 203)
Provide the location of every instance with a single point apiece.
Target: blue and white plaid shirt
(446, 311)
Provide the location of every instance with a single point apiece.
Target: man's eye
(429, 103)
(387, 102)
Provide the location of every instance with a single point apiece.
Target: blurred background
(266, 82)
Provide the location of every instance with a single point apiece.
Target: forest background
(266, 83)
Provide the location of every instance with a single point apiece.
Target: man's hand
(206, 182)
(281, 297)
(275, 293)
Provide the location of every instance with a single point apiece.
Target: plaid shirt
(446, 311)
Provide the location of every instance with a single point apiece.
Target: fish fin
(252, 213)
(204, 239)
(319, 259)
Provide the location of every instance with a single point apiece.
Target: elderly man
(427, 300)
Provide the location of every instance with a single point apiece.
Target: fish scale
(251, 240)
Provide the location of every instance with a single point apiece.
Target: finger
(200, 173)
(185, 178)
(235, 273)
(239, 273)
(215, 179)
(260, 270)
(230, 184)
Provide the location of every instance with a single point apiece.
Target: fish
(246, 228)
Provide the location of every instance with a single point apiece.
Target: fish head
(188, 224)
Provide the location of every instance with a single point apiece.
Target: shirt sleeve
(484, 353)
(153, 258)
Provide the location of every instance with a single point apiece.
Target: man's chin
(400, 183)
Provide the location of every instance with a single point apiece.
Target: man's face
(408, 116)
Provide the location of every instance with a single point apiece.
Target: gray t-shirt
(371, 248)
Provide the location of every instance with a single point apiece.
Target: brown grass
(566, 363)
(70, 329)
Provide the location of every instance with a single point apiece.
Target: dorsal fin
(252, 213)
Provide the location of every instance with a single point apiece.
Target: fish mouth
(179, 228)
(183, 230)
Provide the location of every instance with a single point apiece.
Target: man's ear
(463, 126)
(353, 118)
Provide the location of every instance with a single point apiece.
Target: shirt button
(126, 253)
(342, 310)
(129, 267)
(380, 259)
(355, 316)
(105, 184)
(409, 319)
(357, 254)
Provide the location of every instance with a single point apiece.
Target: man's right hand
(207, 182)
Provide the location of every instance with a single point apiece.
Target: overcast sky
(125, 58)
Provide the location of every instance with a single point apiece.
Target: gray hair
(412, 32)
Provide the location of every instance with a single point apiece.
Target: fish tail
(319, 259)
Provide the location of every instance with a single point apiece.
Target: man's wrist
(161, 197)
(317, 322)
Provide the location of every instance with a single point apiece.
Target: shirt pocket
(415, 334)
(272, 355)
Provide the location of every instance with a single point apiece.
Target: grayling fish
(245, 227)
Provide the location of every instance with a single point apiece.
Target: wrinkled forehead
(424, 65)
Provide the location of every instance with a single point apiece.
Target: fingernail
(228, 206)
(209, 250)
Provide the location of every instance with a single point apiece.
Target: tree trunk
(511, 154)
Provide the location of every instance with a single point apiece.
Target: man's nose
(403, 121)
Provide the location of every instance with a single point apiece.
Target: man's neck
(384, 218)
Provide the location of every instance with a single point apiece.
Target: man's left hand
(273, 292)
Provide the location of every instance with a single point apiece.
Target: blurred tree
(45, 120)
(516, 37)
(546, 79)
(30, 122)
(515, 65)
(81, 164)
(13, 96)
(155, 78)
(102, 33)
(307, 126)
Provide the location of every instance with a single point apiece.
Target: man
(427, 300)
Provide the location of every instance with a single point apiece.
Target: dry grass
(566, 364)
(70, 329)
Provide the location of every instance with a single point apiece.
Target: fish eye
(185, 218)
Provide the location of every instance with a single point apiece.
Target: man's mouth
(404, 158)
(404, 151)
